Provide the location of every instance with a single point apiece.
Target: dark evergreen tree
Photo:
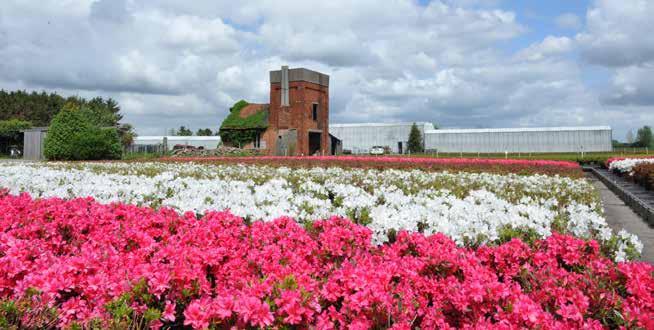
(415, 140)
(183, 131)
(644, 137)
(204, 132)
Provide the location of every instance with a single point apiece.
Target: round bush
(63, 129)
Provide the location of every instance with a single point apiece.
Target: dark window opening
(257, 141)
(314, 111)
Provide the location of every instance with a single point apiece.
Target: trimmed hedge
(96, 143)
(72, 137)
(64, 127)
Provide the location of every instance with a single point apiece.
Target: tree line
(183, 131)
(21, 109)
(643, 139)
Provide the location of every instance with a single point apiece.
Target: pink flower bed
(80, 262)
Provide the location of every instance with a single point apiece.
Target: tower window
(314, 111)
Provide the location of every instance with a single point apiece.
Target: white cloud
(618, 33)
(618, 37)
(173, 63)
(550, 46)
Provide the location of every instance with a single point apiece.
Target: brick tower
(299, 112)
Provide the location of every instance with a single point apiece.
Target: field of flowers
(173, 244)
(471, 208)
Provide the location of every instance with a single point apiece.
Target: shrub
(72, 137)
(95, 143)
(63, 129)
(644, 175)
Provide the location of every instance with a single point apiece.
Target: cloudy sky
(466, 63)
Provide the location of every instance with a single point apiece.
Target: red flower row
(390, 159)
(113, 265)
(454, 164)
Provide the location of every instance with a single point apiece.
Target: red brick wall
(299, 114)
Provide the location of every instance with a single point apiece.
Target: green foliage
(10, 133)
(257, 120)
(239, 137)
(40, 109)
(65, 126)
(72, 137)
(239, 131)
(415, 140)
(183, 131)
(204, 132)
(127, 134)
(11, 128)
(644, 138)
(94, 143)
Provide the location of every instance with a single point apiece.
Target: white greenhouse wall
(551, 139)
(360, 138)
(208, 142)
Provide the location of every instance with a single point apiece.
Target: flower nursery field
(337, 243)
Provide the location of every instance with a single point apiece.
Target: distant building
(360, 138)
(539, 139)
(144, 143)
(295, 122)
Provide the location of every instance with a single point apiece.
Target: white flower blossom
(468, 207)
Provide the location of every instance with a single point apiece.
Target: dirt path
(619, 216)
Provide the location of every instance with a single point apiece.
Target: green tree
(644, 137)
(10, 129)
(415, 140)
(183, 131)
(204, 132)
(126, 134)
(40, 108)
(65, 125)
(95, 143)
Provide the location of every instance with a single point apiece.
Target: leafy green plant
(95, 143)
(239, 130)
(12, 127)
(65, 126)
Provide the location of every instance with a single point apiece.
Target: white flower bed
(627, 165)
(469, 207)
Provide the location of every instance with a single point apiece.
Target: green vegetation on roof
(258, 120)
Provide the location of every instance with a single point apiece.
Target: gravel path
(619, 215)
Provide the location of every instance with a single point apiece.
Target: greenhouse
(360, 138)
(543, 139)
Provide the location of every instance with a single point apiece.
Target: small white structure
(33, 143)
(206, 142)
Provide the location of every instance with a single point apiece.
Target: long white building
(359, 138)
(207, 142)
